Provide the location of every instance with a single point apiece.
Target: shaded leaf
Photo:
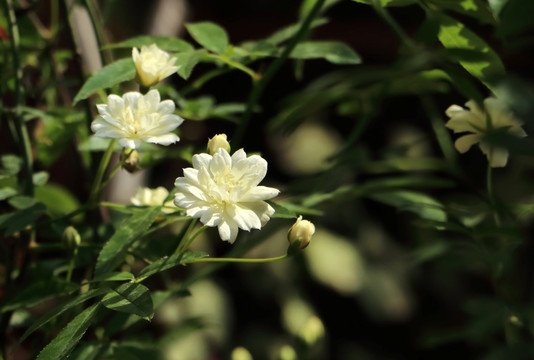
(38, 292)
(22, 202)
(290, 31)
(7, 192)
(69, 337)
(136, 351)
(211, 36)
(51, 315)
(115, 276)
(163, 42)
(333, 51)
(421, 204)
(40, 178)
(281, 212)
(170, 262)
(18, 220)
(132, 298)
(108, 76)
(131, 229)
(387, 2)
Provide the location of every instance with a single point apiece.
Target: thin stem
(96, 188)
(183, 240)
(381, 10)
(242, 260)
(259, 86)
(71, 263)
(115, 169)
(491, 195)
(254, 75)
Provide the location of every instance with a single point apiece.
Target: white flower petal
(129, 143)
(166, 107)
(165, 139)
(228, 231)
(260, 193)
(465, 142)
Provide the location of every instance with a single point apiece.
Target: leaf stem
(260, 85)
(96, 188)
(254, 75)
(491, 194)
(242, 260)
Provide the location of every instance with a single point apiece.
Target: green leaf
(18, 220)
(38, 292)
(211, 36)
(187, 62)
(421, 204)
(22, 202)
(170, 262)
(333, 51)
(108, 76)
(11, 164)
(40, 178)
(130, 230)
(57, 199)
(51, 315)
(69, 337)
(136, 351)
(455, 35)
(290, 31)
(163, 42)
(387, 2)
(132, 298)
(7, 192)
(281, 212)
(115, 276)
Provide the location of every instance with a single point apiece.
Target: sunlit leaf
(163, 42)
(332, 51)
(108, 76)
(69, 337)
(129, 230)
(187, 62)
(40, 178)
(57, 199)
(7, 192)
(281, 211)
(11, 164)
(211, 36)
(131, 298)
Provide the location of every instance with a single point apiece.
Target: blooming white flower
(223, 191)
(135, 118)
(478, 122)
(153, 64)
(153, 197)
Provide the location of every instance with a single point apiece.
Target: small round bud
(217, 142)
(300, 234)
(71, 238)
(131, 162)
(240, 353)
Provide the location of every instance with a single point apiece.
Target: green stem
(254, 75)
(20, 127)
(71, 264)
(242, 260)
(259, 86)
(381, 10)
(115, 169)
(96, 188)
(491, 195)
(181, 245)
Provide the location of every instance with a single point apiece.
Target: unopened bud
(217, 142)
(71, 238)
(300, 234)
(240, 353)
(312, 331)
(130, 160)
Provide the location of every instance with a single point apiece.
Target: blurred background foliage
(406, 263)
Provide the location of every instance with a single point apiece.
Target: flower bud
(152, 65)
(300, 234)
(131, 164)
(71, 238)
(217, 142)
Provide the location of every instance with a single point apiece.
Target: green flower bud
(131, 163)
(71, 238)
(300, 234)
(217, 142)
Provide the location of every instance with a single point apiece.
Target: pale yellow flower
(300, 234)
(134, 118)
(153, 64)
(223, 191)
(153, 197)
(478, 122)
(216, 142)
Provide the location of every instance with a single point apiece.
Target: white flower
(223, 191)
(135, 118)
(153, 64)
(153, 197)
(478, 122)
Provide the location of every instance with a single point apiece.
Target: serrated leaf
(130, 230)
(211, 36)
(333, 51)
(131, 298)
(187, 62)
(68, 338)
(51, 315)
(281, 212)
(18, 220)
(163, 42)
(455, 35)
(108, 76)
(7, 192)
(38, 292)
(170, 262)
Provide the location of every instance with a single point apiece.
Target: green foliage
(131, 298)
(163, 42)
(211, 36)
(332, 51)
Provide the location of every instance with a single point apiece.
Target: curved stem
(254, 75)
(259, 86)
(243, 260)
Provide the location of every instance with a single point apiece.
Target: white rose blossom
(223, 191)
(153, 64)
(478, 122)
(153, 197)
(134, 118)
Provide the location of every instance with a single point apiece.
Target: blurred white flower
(153, 197)
(153, 64)
(478, 122)
(135, 118)
(223, 191)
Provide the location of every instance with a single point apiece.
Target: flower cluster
(478, 122)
